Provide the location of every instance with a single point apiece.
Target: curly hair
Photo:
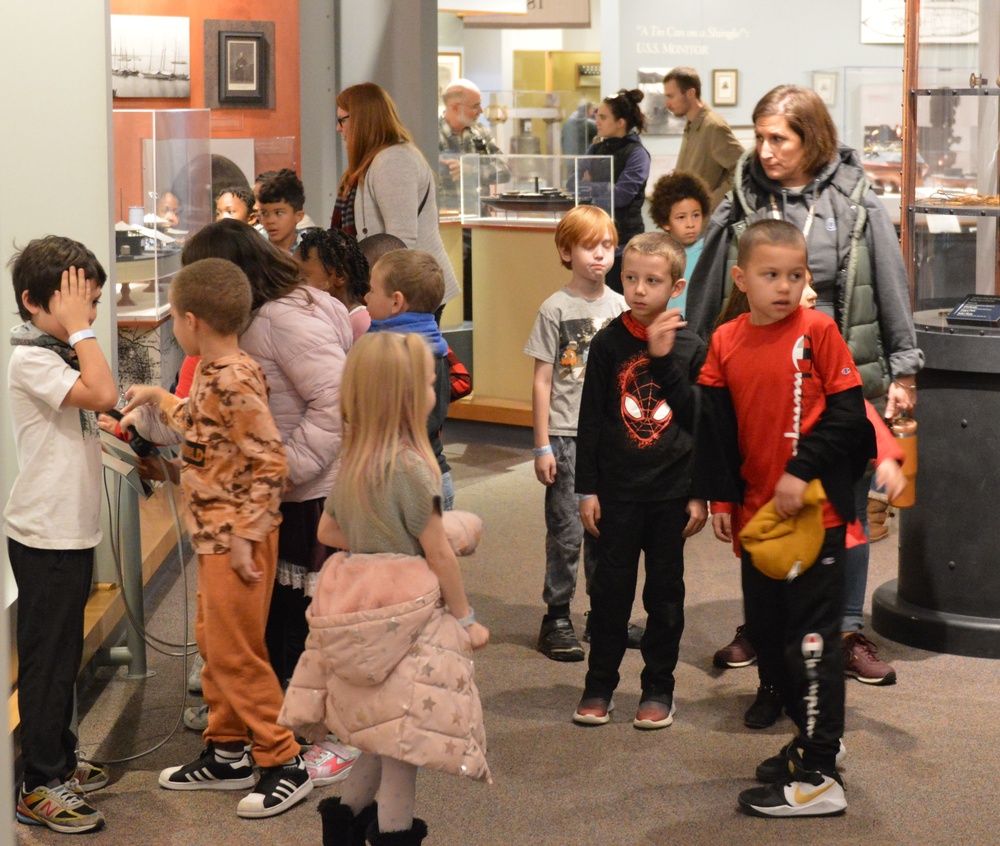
(674, 187)
(339, 253)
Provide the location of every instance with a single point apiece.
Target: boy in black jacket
(632, 478)
(779, 404)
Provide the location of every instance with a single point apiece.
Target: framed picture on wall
(242, 67)
(724, 87)
(825, 84)
(449, 69)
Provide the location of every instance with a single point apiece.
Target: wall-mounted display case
(532, 188)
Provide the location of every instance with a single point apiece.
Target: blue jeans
(856, 564)
(564, 533)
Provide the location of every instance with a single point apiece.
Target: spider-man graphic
(646, 416)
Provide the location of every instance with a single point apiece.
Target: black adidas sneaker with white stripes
(278, 790)
(210, 773)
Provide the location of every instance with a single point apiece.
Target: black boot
(412, 837)
(341, 827)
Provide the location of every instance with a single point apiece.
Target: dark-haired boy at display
(57, 378)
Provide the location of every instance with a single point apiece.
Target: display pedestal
(947, 596)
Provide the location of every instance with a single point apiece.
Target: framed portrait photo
(242, 67)
(825, 84)
(725, 90)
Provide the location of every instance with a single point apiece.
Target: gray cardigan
(398, 181)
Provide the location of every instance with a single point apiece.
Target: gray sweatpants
(564, 532)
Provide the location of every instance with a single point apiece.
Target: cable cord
(146, 637)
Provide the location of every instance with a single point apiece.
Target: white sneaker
(329, 762)
(804, 794)
(194, 676)
(196, 717)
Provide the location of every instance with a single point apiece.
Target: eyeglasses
(342, 120)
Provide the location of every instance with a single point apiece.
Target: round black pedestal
(947, 596)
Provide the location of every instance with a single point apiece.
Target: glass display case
(162, 194)
(533, 121)
(951, 194)
(526, 188)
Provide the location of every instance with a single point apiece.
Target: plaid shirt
(475, 139)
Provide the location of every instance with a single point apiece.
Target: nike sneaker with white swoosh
(804, 793)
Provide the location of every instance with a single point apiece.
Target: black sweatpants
(795, 629)
(53, 586)
(628, 528)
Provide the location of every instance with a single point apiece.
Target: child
(632, 475)
(794, 364)
(237, 203)
(560, 343)
(234, 468)
(387, 499)
(680, 205)
(279, 208)
(406, 289)
(332, 261)
(768, 704)
(56, 379)
(300, 339)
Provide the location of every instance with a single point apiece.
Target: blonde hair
(416, 275)
(586, 225)
(384, 410)
(375, 125)
(659, 244)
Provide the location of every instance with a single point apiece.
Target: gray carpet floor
(919, 768)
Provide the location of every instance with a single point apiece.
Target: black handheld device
(140, 446)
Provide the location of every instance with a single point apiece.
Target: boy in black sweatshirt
(632, 479)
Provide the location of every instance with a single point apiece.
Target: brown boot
(878, 511)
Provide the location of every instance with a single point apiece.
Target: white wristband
(82, 335)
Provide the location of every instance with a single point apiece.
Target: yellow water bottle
(905, 430)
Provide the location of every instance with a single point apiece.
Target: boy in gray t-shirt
(559, 343)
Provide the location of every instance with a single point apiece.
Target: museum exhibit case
(532, 188)
(162, 194)
(947, 595)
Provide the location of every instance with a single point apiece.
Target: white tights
(395, 783)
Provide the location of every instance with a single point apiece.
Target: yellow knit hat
(784, 549)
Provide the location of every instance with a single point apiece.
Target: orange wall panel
(283, 120)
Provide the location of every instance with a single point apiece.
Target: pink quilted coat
(387, 668)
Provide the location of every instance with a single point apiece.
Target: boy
(560, 343)
(407, 287)
(632, 476)
(57, 378)
(233, 470)
(279, 208)
(781, 404)
(680, 206)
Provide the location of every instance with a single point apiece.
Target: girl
(237, 203)
(619, 123)
(680, 206)
(332, 261)
(301, 340)
(417, 704)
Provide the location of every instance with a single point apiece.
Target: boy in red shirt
(780, 405)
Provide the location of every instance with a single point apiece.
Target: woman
(619, 122)
(798, 172)
(388, 185)
(300, 337)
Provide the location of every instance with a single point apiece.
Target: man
(578, 130)
(460, 133)
(709, 148)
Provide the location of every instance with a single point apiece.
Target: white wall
(55, 162)
(346, 42)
